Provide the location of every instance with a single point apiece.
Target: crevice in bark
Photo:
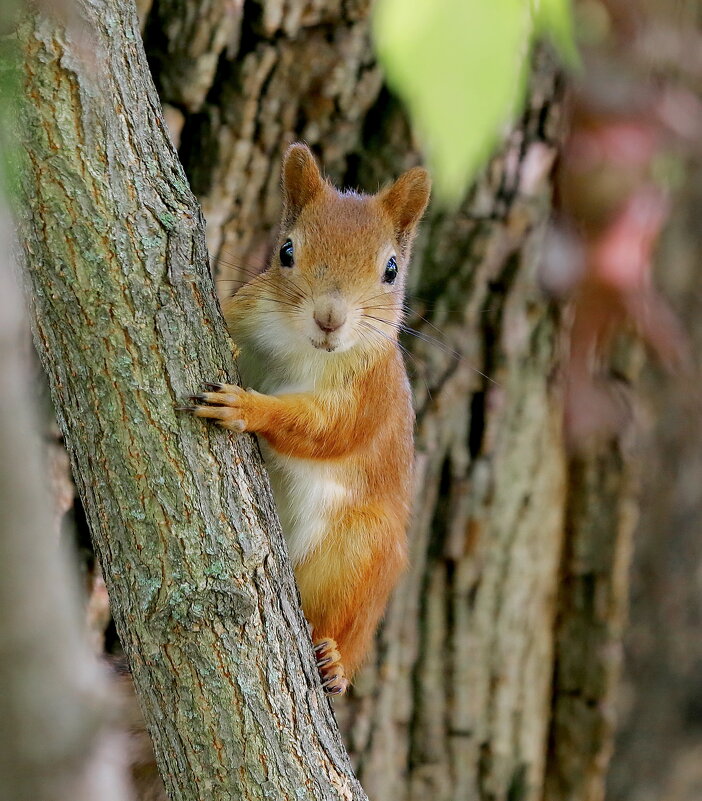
(477, 423)
(442, 515)
(518, 788)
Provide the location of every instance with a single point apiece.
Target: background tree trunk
(659, 745)
(480, 686)
(127, 325)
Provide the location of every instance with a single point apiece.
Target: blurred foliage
(461, 66)
(9, 92)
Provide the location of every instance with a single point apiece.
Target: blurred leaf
(460, 67)
(554, 17)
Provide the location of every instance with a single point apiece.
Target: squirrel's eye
(390, 273)
(287, 253)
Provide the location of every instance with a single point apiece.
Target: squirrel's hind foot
(331, 671)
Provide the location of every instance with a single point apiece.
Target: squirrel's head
(340, 268)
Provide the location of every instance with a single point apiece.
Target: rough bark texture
(127, 325)
(591, 614)
(506, 555)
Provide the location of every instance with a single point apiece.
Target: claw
(198, 399)
(336, 685)
(212, 387)
(185, 408)
(328, 663)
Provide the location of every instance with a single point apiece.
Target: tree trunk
(511, 539)
(659, 744)
(127, 325)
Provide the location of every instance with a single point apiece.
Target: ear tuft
(302, 181)
(406, 200)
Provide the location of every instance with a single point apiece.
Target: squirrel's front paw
(331, 671)
(228, 405)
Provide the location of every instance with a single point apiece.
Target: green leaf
(460, 67)
(554, 17)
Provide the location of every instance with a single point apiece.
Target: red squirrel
(331, 403)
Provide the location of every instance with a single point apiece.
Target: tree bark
(592, 607)
(127, 325)
(470, 693)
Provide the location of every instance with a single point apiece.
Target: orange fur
(334, 412)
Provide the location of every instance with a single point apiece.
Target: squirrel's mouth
(330, 343)
(325, 344)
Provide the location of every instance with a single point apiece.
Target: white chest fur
(306, 491)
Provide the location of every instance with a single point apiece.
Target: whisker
(419, 334)
(412, 313)
(432, 341)
(307, 281)
(274, 311)
(300, 290)
(259, 296)
(364, 301)
(416, 363)
(431, 306)
(391, 323)
(402, 348)
(265, 277)
(296, 295)
(228, 256)
(368, 337)
(391, 308)
(389, 338)
(252, 273)
(268, 277)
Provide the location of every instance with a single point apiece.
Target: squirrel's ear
(406, 200)
(302, 180)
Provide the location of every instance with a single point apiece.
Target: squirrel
(331, 402)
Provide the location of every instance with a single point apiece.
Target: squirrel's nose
(330, 312)
(329, 322)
